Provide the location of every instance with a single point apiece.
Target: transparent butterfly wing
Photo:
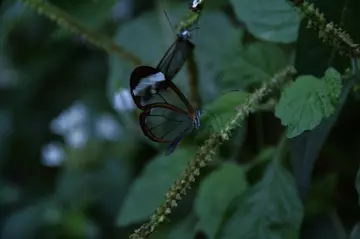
(164, 123)
(175, 57)
(169, 95)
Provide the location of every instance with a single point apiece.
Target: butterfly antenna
(194, 28)
(167, 17)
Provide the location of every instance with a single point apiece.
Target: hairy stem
(66, 21)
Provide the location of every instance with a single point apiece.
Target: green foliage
(270, 209)
(332, 79)
(307, 101)
(215, 194)
(253, 64)
(184, 229)
(273, 21)
(26, 222)
(223, 109)
(148, 190)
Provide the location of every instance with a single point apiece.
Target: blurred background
(74, 162)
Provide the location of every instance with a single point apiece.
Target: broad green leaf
(303, 105)
(271, 20)
(255, 63)
(214, 37)
(355, 234)
(24, 223)
(332, 79)
(215, 194)
(148, 190)
(223, 108)
(269, 210)
(184, 229)
(217, 113)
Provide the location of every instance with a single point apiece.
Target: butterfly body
(167, 115)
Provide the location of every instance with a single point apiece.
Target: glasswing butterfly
(167, 115)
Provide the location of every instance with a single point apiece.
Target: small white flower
(123, 100)
(53, 154)
(77, 138)
(106, 127)
(74, 116)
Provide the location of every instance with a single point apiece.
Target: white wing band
(151, 80)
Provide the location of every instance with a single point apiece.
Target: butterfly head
(196, 5)
(185, 34)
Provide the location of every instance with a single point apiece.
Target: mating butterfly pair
(167, 115)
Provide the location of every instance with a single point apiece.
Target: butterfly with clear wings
(167, 115)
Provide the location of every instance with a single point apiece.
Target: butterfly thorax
(197, 119)
(184, 35)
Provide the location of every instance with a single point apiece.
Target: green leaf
(214, 37)
(24, 223)
(148, 190)
(223, 108)
(273, 20)
(303, 105)
(184, 228)
(256, 63)
(355, 234)
(332, 80)
(215, 194)
(271, 209)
